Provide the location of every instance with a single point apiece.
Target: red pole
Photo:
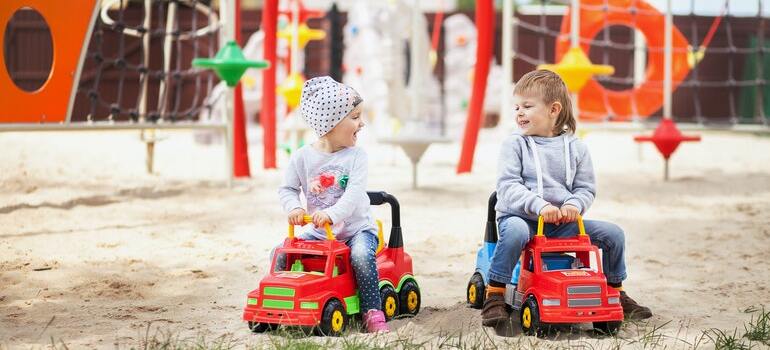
(267, 114)
(241, 146)
(485, 23)
(437, 20)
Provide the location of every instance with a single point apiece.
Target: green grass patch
(758, 328)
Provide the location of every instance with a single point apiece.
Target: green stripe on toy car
(279, 291)
(353, 304)
(405, 278)
(278, 304)
(308, 305)
(384, 282)
(252, 301)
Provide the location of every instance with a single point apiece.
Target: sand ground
(92, 248)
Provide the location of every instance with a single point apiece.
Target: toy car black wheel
(530, 318)
(334, 319)
(608, 328)
(258, 327)
(474, 294)
(389, 302)
(409, 298)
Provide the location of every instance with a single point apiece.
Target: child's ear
(556, 108)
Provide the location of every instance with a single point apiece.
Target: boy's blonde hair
(551, 88)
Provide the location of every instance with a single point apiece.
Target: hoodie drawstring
(539, 169)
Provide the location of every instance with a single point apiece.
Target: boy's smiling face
(345, 133)
(533, 116)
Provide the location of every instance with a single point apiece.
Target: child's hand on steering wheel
(297, 217)
(569, 213)
(320, 218)
(551, 214)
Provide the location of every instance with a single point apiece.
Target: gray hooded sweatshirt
(534, 171)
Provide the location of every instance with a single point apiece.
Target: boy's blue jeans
(515, 232)
(363, 249)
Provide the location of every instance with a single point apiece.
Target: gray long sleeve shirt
(332, 182)
(562, 183)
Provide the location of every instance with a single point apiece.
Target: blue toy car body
(475, 290)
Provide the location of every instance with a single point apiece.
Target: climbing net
(719, 54)
(138, 64)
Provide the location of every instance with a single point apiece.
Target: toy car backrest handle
(309, 219)
(541, 223)
(490, 233)
(396, 239)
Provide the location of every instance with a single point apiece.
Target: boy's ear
(556, 108)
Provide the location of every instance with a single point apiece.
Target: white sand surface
(92, 248)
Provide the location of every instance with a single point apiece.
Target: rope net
(721, 57)
(138, 64)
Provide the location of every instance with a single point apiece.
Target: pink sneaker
(374, 320)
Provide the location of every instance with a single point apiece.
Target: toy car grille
(584, 290)
(584, 302)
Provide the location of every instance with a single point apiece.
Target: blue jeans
(363, 248)
(515, 232)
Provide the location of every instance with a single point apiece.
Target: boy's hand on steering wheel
(569, 213)
(551, 214)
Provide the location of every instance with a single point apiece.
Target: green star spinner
(229, 63)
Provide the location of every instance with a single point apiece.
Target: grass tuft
(758, 329)
(724, 340)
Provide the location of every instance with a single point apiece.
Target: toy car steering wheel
(309, 219)
(541, 223)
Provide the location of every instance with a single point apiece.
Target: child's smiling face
(345, 134)
(535, 117)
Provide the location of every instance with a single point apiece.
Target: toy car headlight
(613, 300)
(252, 301)
(551, 302)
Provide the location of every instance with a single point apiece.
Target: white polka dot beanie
(325, 103)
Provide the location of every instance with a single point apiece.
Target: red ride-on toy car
(561, 281)
(317, 288)
(557, 281)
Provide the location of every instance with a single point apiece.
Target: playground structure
(663, 69)
(91, 105)
(298, 34)
(374, 63)
(714, 54)
(653, 83)
(80, 31)
(650, 69)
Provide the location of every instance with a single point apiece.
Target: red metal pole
(485, 23)
(267, 113)
(241, 166)
(438, 19)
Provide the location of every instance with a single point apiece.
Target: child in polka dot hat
(325, 102)
(331, 173)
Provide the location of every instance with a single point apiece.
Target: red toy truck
(562, 281)
(318, 288)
